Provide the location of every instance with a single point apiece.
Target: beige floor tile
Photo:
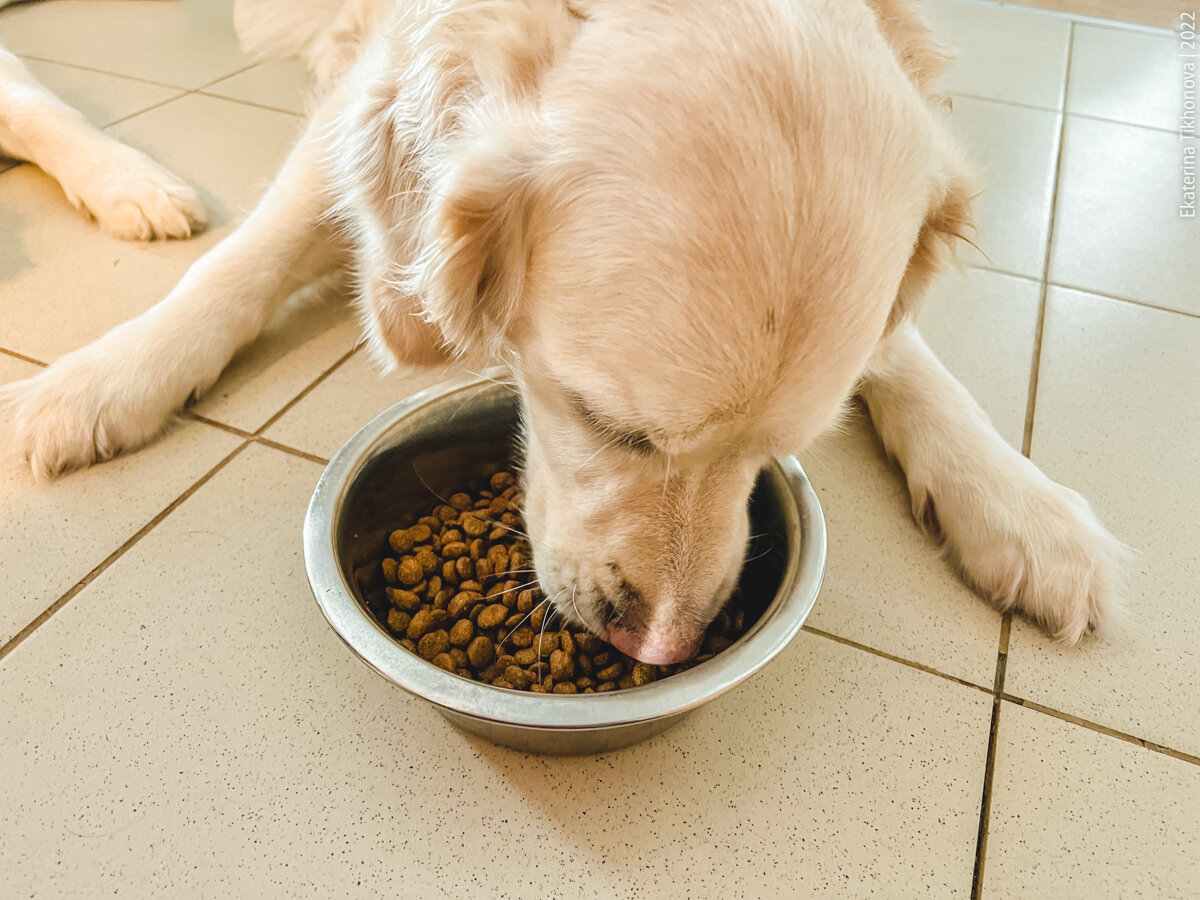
(222, 738)
(1077, 814)
(1130, 76)
(982, 324)
(185, 44)
(1015, 151)
(305, 339)
(51, 535)
(100, 97)
(1118, 229)
(350, 397)
(278, 84)
(64, 283)
(886, 585)
(1118, 418)
(988, 63)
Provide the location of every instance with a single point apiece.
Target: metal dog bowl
(459, 432)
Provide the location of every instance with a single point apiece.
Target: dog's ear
(471, 273)
(948, 222)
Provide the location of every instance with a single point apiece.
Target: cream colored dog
(692, 229)
(129, 194)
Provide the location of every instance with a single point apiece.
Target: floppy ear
(471, 271)
(948, 222)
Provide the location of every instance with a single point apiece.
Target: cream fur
(692, 229)
(129, 194)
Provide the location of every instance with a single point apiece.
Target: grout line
(87, 579)
(145, 109)
(1102, 729)
(236, 72)
(188, 414)
(21, 356)
(303, 454)
(898, 659)
(69, 65)
(304, 393)
(996, 100)
(1119, 299)
(267, 107)
(989, 768)
(1035, 366)
(1064, 111)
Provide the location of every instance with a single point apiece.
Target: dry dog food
(462, 594)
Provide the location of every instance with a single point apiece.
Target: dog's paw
(134, 198)
(75, 413)
(1033, 546)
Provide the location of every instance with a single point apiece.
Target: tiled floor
(176, 719)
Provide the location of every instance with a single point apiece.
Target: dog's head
(687, 245)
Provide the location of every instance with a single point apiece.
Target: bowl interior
(456, 443)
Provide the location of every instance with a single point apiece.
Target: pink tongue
(656, 649)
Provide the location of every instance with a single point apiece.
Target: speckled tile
(1078, 815)
(982, 325)
(185, 44)
(886, 585)
(51, 535)
(1118, 418)
(350, 397)
(64, 283)
(102, 98)
(303, 340)
(1118, 229)
(278, 84)
(1130, 76)
(983, 38)
(1014, 151)
(221, 738)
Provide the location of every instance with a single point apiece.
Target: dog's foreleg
(118, 392)
(128, 193)
(1021, 540)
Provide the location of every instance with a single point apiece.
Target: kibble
(459, 595)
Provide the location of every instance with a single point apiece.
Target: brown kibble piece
(606, 686)
(526, 657)
(454, 550)
(401, 599)
(608, 673)
(566, 642)
(464, 567)
(642, 673)
(561, 665)
(473, 526)
(462, 603)
(401, 541)
(501, 480)
(409, 571)
(461, 633)
(459, 656)
(564, 687)
(433, 643)
(518, 677)
(390, 567)
(502, 683)
(444, 661)
(461, 501)
(525, 601)
(493, 615)
(398, 621)
(522, 637)
(425, 620)
(481, 651)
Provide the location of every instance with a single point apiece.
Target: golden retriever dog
(692, 229)
(127, 193)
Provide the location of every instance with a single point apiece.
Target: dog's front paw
(77, 412)
(134, 198)
(1033, 546)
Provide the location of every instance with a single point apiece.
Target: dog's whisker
(522, 621)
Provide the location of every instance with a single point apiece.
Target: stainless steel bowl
(456, 433)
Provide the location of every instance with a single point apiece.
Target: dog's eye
(629, 438)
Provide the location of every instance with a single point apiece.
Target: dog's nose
(657, 647)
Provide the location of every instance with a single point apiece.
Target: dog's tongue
(649, 647)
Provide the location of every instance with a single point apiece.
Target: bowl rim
(367, 638)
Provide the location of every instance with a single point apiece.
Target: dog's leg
(1021, 540)
(128, 193)
(118, 392)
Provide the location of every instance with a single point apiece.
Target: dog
(127, 193)
(692, 230)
